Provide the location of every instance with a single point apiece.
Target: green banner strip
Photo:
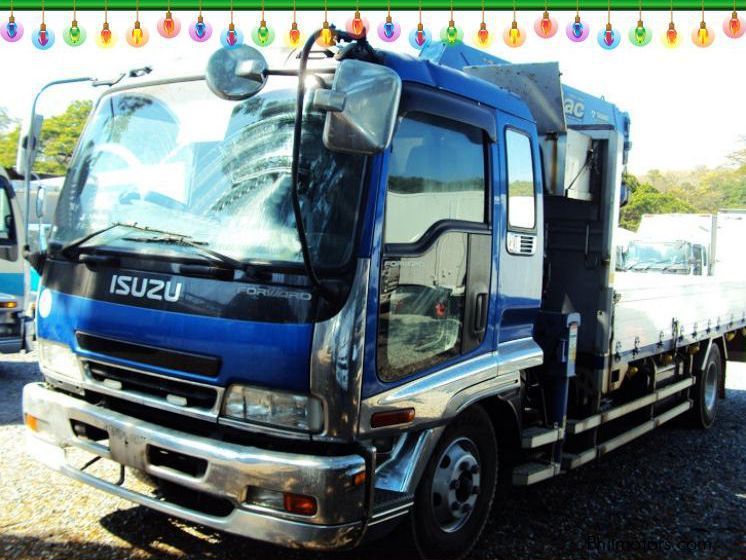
(349, 5)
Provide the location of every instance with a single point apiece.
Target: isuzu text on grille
(149, 288)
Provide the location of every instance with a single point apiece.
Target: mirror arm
(295, 169)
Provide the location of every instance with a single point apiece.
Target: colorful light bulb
(609, 38)
(294, 36)
(733, 26)
(451, 34)
(703, 36)
(168, 26)
(671, 38)
(577, 31)
(546, 26)
(11, 31)
(389, 31)
(105, 38)
(483, 39)
(514, 35)
(43, 38)
(200, 30)
(420, 37)
(639, 35)
(357, 25)
(326, 38)
(137, 36)
(231, 37)
(263, 35)
(74, 35)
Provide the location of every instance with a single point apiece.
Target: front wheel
(454, 498)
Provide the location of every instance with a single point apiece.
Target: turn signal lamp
(392, 418)
(32, 422)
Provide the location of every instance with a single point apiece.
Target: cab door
(436, 252)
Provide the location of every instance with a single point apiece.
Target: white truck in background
(688, 244)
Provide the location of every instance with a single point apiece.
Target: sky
(686, 104)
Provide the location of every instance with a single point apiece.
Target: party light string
(545, 26)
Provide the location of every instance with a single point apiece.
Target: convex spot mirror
(362, 108)
(236, 74)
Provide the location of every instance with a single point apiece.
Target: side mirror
(624, 195)
(361, 108)
(27, 146)
(41, 196)
(236, 74)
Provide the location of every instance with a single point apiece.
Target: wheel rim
(455, 486)
(711, 384)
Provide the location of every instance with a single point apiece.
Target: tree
(8, 147)
(645, 199)
(738, 158)
(5, 120)
(59, 134)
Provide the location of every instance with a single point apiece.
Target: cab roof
(440, 66)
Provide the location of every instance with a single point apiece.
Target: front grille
(178, 360)
(170, 392)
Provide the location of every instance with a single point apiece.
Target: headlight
(58, 360)
(274, 408)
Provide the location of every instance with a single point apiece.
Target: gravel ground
(676, 492)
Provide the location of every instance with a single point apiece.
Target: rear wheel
(455, 495)
(707, 390)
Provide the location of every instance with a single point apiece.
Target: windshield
(176, 158)
(656, 255)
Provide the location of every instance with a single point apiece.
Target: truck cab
(13, 270)
(305, 303)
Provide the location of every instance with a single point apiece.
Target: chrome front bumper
(230, 470)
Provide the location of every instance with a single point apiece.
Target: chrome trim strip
(336, 368)
(231, 468)
(444, 394)
(402, 471)
(390, 514)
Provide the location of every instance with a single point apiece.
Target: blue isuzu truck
(307, 303)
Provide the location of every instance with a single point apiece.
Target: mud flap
(736, 346)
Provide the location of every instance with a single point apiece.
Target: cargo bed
(652, 310)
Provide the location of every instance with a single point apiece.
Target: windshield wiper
(168, 238)
(160, 236)
(67, 248)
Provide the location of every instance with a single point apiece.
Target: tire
(449, 514)
(707, 390)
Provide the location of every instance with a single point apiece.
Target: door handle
(480, 313)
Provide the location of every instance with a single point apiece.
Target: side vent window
(521, 194)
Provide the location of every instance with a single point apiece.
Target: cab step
(538, 436)
(388, 505)
(531, 473)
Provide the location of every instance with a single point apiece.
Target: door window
(436, 175)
